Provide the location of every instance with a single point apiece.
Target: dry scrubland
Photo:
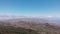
(23, 27)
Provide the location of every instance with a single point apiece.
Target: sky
(30, 7)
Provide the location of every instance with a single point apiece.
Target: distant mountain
(29, 19)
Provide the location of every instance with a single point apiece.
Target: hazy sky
(30, 7)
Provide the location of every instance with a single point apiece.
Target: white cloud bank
(10, 17)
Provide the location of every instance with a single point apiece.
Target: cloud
(49, 16)
(45, 17)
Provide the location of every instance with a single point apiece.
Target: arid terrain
(28, 26)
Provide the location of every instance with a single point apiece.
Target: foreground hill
(36, 25)
(14, 30)
(23, 27)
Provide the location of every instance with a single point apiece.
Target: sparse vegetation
(22, 27)
(14, 30)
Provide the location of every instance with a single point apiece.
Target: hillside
(41, 28)
(14, 30)
(24, 26)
